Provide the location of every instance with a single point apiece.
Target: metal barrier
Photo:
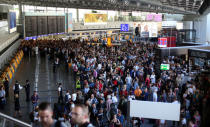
(5, 120)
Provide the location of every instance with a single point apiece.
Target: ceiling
(158, 6)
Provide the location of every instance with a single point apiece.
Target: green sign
(164, 67)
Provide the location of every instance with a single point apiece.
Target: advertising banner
(70, 22)
(12, 22)
(92, 19)
(149, 29)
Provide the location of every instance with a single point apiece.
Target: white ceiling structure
(158, 6)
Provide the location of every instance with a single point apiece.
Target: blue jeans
(34, 105)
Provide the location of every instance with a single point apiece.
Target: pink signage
(154, 17)
(158, 17)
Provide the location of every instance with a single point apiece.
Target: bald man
(80, 116)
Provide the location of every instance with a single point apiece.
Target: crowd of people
(108, 77)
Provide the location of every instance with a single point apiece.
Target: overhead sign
(162, 42)
(154, 110)
(124, 27)
(164, 67)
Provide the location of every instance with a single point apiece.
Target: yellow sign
(14, 63)
(109, 41)
(12, 68)
(18, 62)
(95, 18)
(9, 73)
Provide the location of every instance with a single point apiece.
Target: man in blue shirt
(120, 117)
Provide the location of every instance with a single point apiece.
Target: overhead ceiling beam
(158, 3)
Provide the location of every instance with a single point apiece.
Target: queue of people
(108, 77)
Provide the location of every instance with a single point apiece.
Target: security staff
(27, 90)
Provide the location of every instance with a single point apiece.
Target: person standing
(55, 65)
(17, 105)
(17, 87)
(37, 50)
(60, 93)
(34, 99)
(6, 86)
(137, 93)
(2, 97)
(27, 90)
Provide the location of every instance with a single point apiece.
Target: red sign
(162, 42)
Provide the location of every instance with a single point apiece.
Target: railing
(5, 120)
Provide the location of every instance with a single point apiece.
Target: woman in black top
(17, 105)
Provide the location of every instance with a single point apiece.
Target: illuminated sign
(124, 27)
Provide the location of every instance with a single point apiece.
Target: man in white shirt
(128, 81)
(155, 97)
(60, 93)
(99, 66)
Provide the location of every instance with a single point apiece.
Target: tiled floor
(38, 70)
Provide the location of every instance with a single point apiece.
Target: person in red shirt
(147, 81)
(124, 91)
(115, 84)
(99, 85)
